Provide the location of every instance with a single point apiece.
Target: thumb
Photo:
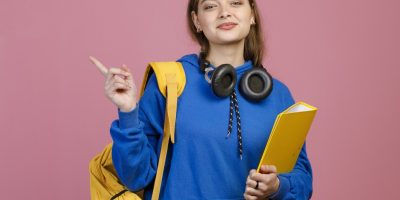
(129, 77)
(267, 169)
(125, 68)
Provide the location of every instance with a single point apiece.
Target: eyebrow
(202, 1)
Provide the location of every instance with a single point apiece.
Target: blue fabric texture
(203, 163)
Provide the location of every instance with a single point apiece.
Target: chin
(229, 37)
(229, 40)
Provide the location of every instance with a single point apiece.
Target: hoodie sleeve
(136, 137)
(298, 183)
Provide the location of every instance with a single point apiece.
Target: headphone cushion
(223, 80)
(256, 84)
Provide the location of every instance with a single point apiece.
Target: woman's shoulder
(191, 57)
(279, 85)
(189, 61)
(282, 91)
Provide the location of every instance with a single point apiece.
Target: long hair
(254, 42)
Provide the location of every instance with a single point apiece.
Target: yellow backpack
(104, 182)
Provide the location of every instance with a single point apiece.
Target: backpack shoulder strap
(161, 70)
(171, 81)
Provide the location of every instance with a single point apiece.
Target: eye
(236, 3)
(208, 7)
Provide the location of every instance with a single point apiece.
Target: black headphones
(255, 84)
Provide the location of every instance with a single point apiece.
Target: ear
(252, 21)
(252, 17)
(195, 20)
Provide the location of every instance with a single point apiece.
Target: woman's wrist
(128, 108)
(128, 119)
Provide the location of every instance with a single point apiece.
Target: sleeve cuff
(284, 188)
(129, 119)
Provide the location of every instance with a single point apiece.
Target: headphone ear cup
(223, 80)
(256, 84)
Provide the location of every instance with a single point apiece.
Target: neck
(226, 54)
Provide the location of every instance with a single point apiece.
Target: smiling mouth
(227, 26)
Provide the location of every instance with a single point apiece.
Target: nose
(224, 12)
(224, 15)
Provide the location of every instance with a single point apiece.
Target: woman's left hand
(263, 184)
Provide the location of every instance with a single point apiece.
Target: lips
(227, 25)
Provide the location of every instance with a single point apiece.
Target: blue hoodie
(203, 163)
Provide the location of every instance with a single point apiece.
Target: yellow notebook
(287, 137)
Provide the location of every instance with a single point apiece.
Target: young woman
(222, 125)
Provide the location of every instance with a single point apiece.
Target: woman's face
(224, 21)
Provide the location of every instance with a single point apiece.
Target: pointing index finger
(103, 69)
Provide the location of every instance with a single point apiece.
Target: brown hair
(254, 42)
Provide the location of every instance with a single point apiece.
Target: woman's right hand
(119, 86)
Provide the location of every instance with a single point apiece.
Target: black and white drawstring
(234, 105)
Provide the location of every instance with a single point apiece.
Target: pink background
(341, 56)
